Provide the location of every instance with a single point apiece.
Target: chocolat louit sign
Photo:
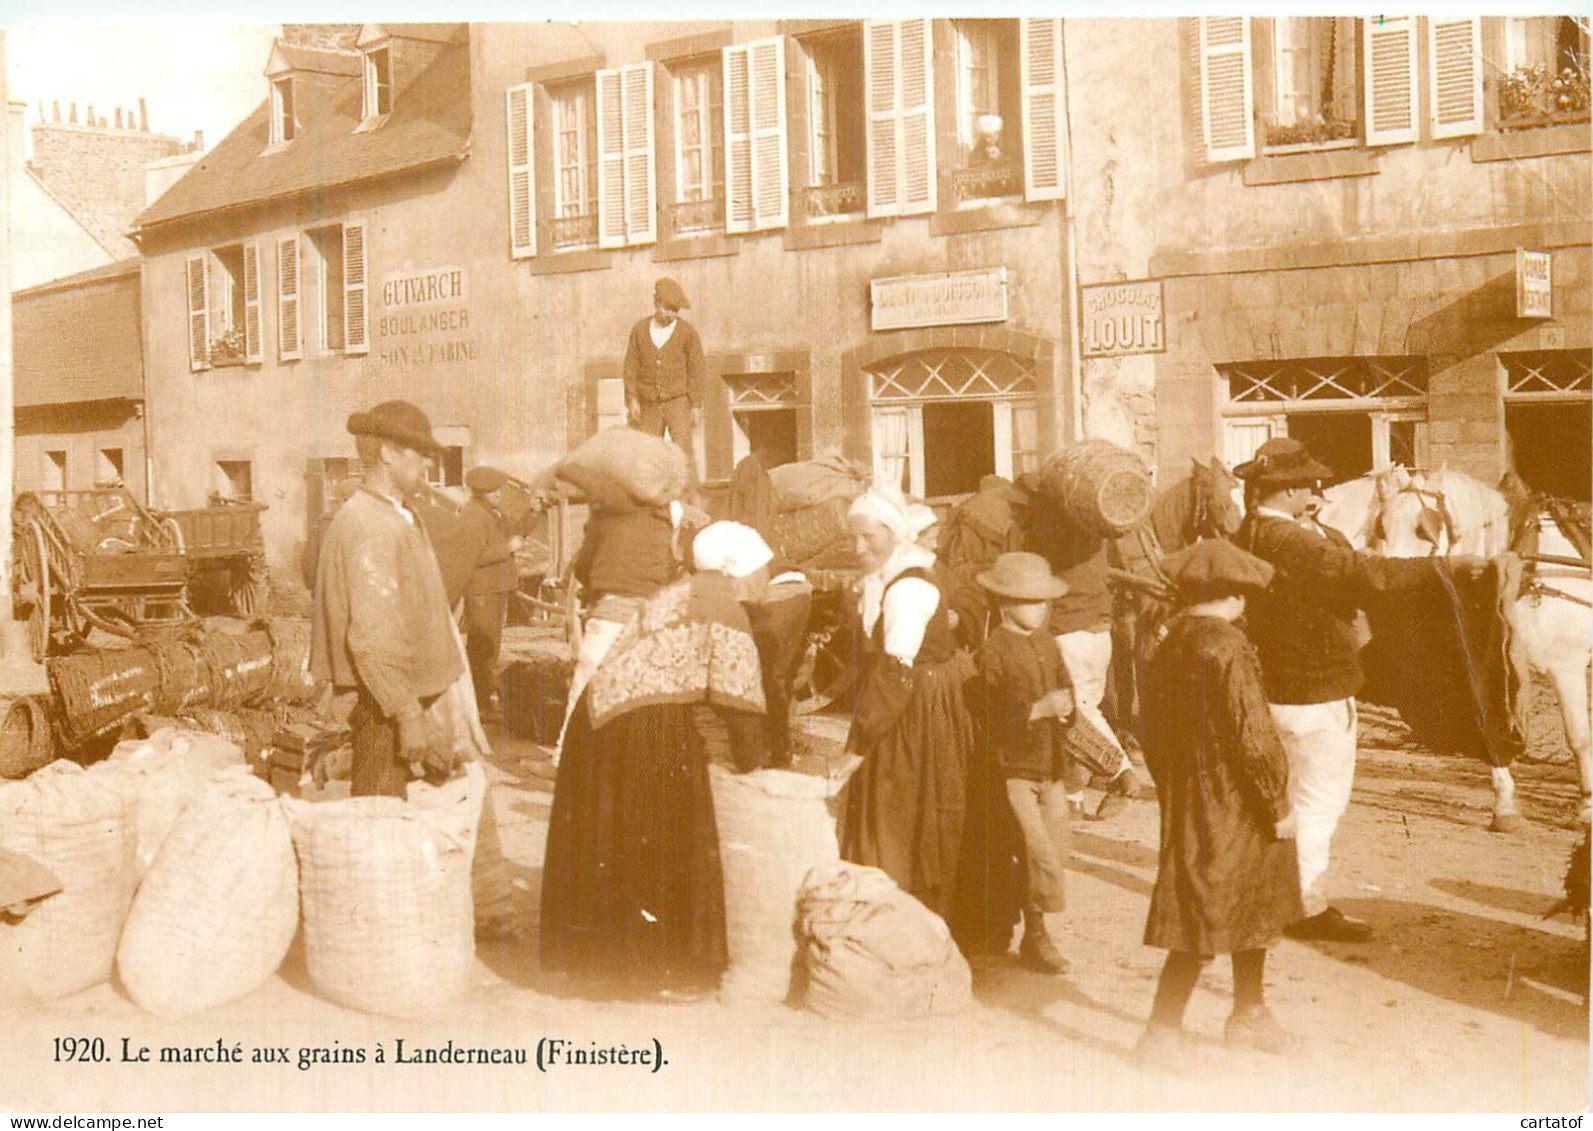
(1121, 318)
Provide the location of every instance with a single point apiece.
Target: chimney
(118, 117)
(89, 119)
(199, 141)
(143, 116)
(72, 121)
(57, 116)
(16, 112)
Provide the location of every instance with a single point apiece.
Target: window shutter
(288, 344)
(1454, 57)
(1389, 48)
(522, 176)
(251, 304)
(1227, 94)
(898, 93)
(756, 167)
(198, 315)
(354, 288)
(610, 160)
(641, 210)
(1040, 57)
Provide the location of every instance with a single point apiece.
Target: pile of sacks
(811, 499)
(186, 874)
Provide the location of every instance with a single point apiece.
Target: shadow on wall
(1476, 322)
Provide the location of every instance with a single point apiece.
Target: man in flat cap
(485, 533)
(381, 624)
(665, 372)
(1304, 628)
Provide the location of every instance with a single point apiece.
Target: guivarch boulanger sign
(1121, 318)
(945, 299)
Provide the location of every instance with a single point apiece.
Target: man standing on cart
(665, 371)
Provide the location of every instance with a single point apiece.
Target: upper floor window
(837, 151)
(574, 109)
(989, 109)
(699, 146)
(284, 122)
(223, 291)
(331, 287)
(378, 83)
(1314, 81)
(1544, 69)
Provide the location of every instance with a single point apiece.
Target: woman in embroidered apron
(905, 804)
(632, 886)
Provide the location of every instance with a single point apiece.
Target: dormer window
(378, 82)
(284, 123)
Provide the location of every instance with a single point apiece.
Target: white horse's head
(1443, 512)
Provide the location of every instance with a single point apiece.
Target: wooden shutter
(198, 314)
(898, 100)
(355, 288)
(522, 175)
(757, 172)
(626, 206)
(1227, 89)
(251, 304)
(1040, 63)
(289, 347)
(1389, 51)
(1454, 58)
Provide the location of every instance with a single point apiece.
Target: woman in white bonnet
(905, 805)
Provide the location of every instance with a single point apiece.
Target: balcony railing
(569, 232)
(985, 182)
(845, 199)
(694, 216)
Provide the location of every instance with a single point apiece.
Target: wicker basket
(1101, 486)
(26, 742)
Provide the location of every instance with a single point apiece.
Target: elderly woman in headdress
(632, 885)
(905, 804)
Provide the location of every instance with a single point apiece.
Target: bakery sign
(1534, 284)
(1122, 318)
(944, 299)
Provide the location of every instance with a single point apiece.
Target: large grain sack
(384, 888)
(72, 823)
(774, 828)
(216, 914)
(872, 952)
(158, 775)
(650, 468)
(1101, 486)
(810, 483)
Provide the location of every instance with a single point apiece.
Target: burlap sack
(651, 469)
(217, 911)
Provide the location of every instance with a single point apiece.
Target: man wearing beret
(494, 577)
(665, 371)
(1304, 627)
(381, 624)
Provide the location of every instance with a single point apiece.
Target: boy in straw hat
(1027, 693)
(1227, 881)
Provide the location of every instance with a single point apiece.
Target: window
(699, 146)
(942, 418)
(284, 123)
(335, 269)
(763, 416)
(989, 110)
(574, 165)
(610, 398)
(55, 478)
(837, 151)
(110, 467)
(326, 248)
(378, 100)
(448, 469)
(235, 479)
(1544, 71)
(1314, 82)
(224, 306)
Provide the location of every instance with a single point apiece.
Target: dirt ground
(1468, 998)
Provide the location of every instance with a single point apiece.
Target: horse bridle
(1433, 499)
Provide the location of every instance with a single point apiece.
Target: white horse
(1448, 512)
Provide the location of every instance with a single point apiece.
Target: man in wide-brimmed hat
(381, 624)
(1304, 628)
(665, 371)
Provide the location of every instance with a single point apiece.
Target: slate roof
(429, 123)
(78, 338)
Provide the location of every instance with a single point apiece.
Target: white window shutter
(1044, 132)
(757, 172)
(1454, 57)
(881, 78)
(288, 341)
(918, 118)
(355, 289)
(522, 175)
(610, 159)
(641, 207)
(1389, 52)
(251, 304)
(736, 67)
(198, 314)
(1227, 89)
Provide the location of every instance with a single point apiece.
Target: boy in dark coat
(1227, 880)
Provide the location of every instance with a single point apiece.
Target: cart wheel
(33, 585)
(251, 589)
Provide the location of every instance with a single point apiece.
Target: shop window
(55, 477)
(110, 468)
(1544, 71)
(699, 204)
(763, 416)
(944, 418)
(235, 480)
(574, 112)
(837, 150)
(1548, 419)
(284, 121)
(989, 110)
(1314, 85)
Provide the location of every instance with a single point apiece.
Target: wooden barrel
(1101, 486)
(25, 739)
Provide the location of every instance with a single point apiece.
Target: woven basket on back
(1101, 486)
(384, 887)
(85, 833)
(214, 917)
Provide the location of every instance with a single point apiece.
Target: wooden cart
(94, 559)
(226, 556)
